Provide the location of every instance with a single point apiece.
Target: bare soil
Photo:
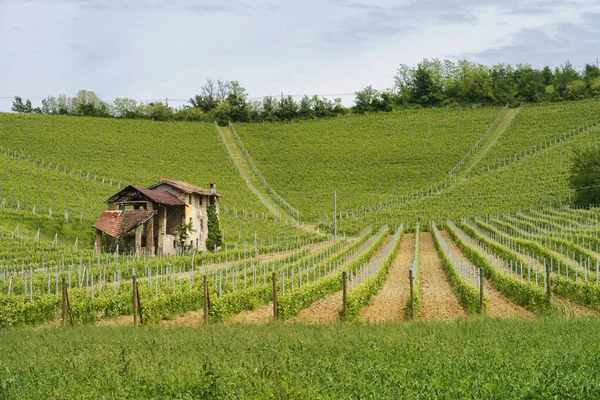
(389, 303)
(119, 321)
(261, 315)
(324, 311)
(438, 298)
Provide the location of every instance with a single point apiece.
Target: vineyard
(450, 214)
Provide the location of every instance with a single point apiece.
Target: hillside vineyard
(472, 203)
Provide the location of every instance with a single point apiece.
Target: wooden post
(138, 239)
(481, 305)
(548, 286)
(149, 230)
(412, 293)
(205, 279)
(64, 301)
(98, 241)
(344, 294)
(275, 316)
(135, 301)
(162, 230)
(139, 303)
(11, 284)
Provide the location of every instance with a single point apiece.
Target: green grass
(366, 158)
(473, 358)
(535, 125)
(537, 179)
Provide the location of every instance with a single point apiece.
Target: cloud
(548, 45)
(463, 17)
(149, 49)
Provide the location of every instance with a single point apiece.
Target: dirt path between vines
(325, 310)
(569, 308)
(498, 305)
(438, 298)
(388, 304)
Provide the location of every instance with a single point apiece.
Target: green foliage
(185, 230)
(371, 100)
(230, 304)
(291, 304)
(214, 239)
(481, 358)
(584, 177)
(520, 292)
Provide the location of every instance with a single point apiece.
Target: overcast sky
(156, 49)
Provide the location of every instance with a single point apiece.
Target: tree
(584, 177)
(214, 239)
(288, 109)
(87, 103)
(364, 100)
(305, 109)
(20, 107)
(236, 98)
(547, 75)
(124, 108)
(268, 109)
(211, 95)
(183, 233)
(425, 90)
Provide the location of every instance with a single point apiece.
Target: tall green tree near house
(585, 177)
(214, 230)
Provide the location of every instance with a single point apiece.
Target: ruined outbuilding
(150, 219)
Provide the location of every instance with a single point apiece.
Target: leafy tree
(183, 233)
(157, 111)
(564, 75)
(269, 109)
(236, 99)
(529, 84)
(20, 107)
(212, 93)
(124, 108)
(503, 84)
(87, 103)
(425, 90)
(584, 177)
(364, 100)
(305, 109)
(214, 230)
(547, 75)
(288, 109)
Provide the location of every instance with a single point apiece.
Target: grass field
(472, 358)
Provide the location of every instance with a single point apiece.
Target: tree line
(431, 83)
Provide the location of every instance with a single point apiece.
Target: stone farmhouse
(150, 219)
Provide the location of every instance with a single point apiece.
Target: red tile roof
(185, 187)
(117, 222)
(133, 193)
(161, 196)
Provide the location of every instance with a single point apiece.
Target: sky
(149, 50)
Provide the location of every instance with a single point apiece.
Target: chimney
(213, 188)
